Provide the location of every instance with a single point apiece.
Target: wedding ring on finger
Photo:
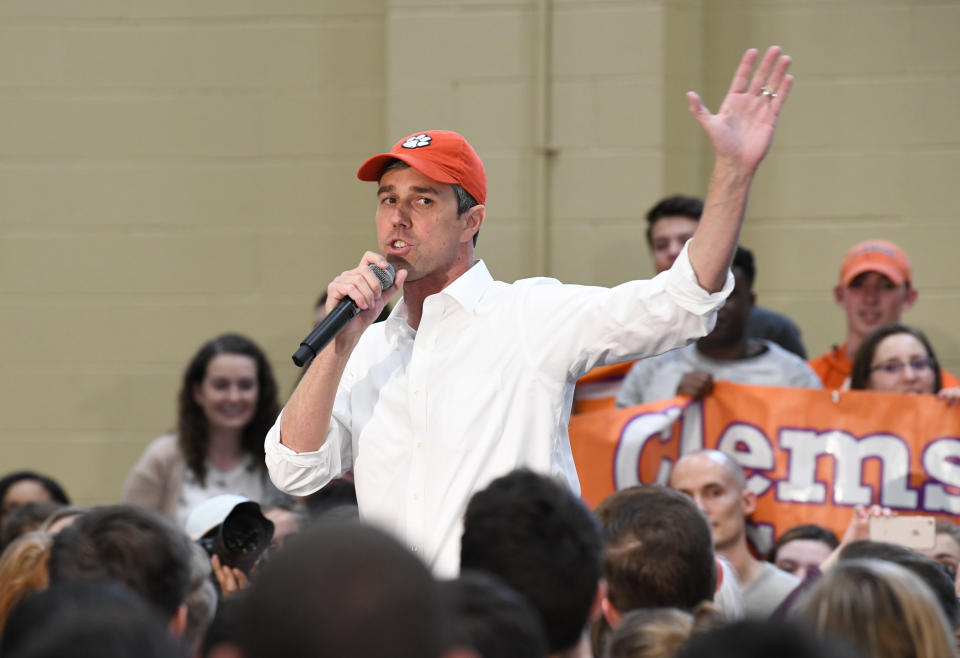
(766, 92)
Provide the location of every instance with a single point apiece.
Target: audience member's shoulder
(796, 369)
(778, 328)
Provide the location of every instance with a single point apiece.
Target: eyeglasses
(896, 367)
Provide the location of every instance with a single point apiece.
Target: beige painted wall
(172, 170)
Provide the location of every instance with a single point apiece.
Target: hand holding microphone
(338, 318)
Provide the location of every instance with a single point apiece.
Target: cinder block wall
(174, 170)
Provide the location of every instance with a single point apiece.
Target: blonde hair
(658, 632)
(23, 570)
(883, 608)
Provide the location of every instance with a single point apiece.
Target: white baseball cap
(210, 513)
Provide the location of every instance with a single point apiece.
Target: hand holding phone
(916, 532)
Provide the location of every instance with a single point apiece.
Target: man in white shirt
(470, 378)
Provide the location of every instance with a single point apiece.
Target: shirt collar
(466, 290)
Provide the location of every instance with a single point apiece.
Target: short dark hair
(677, 205)
(658, 549)
(535, 535)
(810, 531)
(53, 488)
(342, 589)
(743, 258)
(863, 359)
(465, 200)
(132, 545)
(192, 431)
(56, 620)
(926, 569)
(492, 618)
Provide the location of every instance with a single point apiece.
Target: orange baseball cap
(443, 155)
(876, 256)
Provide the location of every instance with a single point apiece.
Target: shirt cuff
(296, 473)
(683, 286)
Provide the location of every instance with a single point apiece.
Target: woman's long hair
(192, 430)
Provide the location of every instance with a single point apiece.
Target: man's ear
(178, 623)
(838, 294)
(596, 608)
(610, 613)
(749, 501)
(473, 220)
(910, 298)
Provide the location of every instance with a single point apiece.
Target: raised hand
(742, 129)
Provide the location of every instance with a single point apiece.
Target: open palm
(742, 129)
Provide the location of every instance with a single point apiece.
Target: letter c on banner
(636, 433)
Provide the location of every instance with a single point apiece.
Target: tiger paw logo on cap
(417, 141)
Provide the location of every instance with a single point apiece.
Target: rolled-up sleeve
(681, 283)
(299, 474)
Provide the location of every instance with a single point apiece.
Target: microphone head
(384, 275)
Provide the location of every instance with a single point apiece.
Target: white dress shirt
(426, 418)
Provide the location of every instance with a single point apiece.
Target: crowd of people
(417, 495)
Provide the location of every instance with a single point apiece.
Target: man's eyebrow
(419, 190)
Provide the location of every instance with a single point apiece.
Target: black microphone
(337, 319)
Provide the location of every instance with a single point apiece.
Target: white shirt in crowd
(428, 417)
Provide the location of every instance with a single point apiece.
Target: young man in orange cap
(470, 378)
(875, 289)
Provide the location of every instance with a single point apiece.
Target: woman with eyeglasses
(899, 359)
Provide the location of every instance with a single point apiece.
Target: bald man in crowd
(718, 486)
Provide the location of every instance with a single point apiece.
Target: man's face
(872, 300)
(717, 492)
(418, 228)
(733, 316)
(667, 237)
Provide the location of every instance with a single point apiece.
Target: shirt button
(419, 444)
(416, 496)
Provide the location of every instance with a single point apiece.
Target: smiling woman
(227, 402)
(897, 358)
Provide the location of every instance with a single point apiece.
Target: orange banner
(809, 455)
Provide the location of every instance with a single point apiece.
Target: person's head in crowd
(768, 638)
(23, 570)
(802, 547)
(730, 330)
(83, 619)
(657, 632)
(228, 388)
(946, 549)
(670, 223)
(880, 606)
(921, 566)
(22, 487)
(875, 288)
(63, 517)
(491, 618)
(898, 359)
(536, 536)
(201, 599)
(343, 590)
(286, 522)
(657, 551)
(132, 545)
(717, 485)
(26, 518)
